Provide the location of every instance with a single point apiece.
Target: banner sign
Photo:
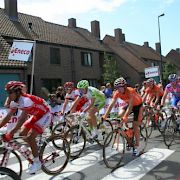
(20, 50)
(152, 72)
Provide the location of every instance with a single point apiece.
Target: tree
(110, 68)
(169, 68)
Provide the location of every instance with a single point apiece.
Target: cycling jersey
(31, 104)
(99, 97)
(129, 92)
(35, 106)
(174, 91)
(72, 96)
(154, 90)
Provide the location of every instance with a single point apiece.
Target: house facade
(66, 53)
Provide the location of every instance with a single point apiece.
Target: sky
(138, 19)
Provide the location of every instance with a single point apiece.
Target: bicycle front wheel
(77, 141)
(7, 174)
(146, 127)
(54, 160)
(13, 157)
(104, 128)
(113, 149)
(169, 132)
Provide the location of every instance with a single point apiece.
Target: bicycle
(120, 140)
(78, 134)
(48, 154)
(65, 122)
(172, 126)
(152, 119)
(6, 173)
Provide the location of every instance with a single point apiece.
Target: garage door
(4, 78)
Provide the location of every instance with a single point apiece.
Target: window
(54, 56)
(86, 59)
(93, 82)
(51, 84)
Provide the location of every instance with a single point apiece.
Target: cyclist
(71, 95)
(153, 93)
(134, 101)
(97, 101)
(172, 88)
(40, 118)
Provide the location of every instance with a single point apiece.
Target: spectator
(60, 95)
(108, 90)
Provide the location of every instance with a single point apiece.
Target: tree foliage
(169, 68)
(110, 68)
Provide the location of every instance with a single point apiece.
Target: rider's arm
(164, 97)
(144, 97)
(129, 108)
(7, 118)
(21, 120)
(73, 107)
(64, 105)
(109, 108)
(157, 95)
(90, 105)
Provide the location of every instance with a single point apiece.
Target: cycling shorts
(174, 101)
(38, 124)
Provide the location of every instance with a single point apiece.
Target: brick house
(66, 53)
(63, 53)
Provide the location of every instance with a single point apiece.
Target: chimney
(178, 50)
(146, 44)
(123, 37)
(72, 23)
(158, 48)
(11, 9)
(95, 29)
(119, 37)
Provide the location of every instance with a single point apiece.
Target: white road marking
(137, 168)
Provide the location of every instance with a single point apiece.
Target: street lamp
(161, 69)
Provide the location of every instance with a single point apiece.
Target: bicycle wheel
(143, 142)
(169, 132)
(13, 157)
(54, 160)
(146, 126)
(113, 149)
(60, 129)
(161, 121)
(7, 174)
(104, 128)
(77, 141)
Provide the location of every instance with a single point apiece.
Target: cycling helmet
(172, 77)
(120, 82)
(69, 85)
(14, 85)
(150, 81)
(83, 84)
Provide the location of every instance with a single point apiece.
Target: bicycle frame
(15, 145)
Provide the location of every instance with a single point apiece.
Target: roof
(47, 32)
(124, 52)
(143, 51)
(4, 52)
(174, 57)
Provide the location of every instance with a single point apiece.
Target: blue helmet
(172, 77)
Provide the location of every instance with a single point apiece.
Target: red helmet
(69, 85)
(13, 85)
